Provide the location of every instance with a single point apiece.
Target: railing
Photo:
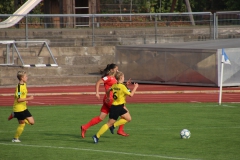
(120, 29)
(225, 20)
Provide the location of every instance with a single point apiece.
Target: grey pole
(190, 10)
(155, 29)
(93, 40)
(214, 26)
(26, 30)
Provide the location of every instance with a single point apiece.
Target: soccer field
(154, 133)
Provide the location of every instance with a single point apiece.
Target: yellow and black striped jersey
(21, 92)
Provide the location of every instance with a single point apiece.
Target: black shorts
(116, 111)
(22, 115)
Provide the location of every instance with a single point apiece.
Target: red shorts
(106, 106)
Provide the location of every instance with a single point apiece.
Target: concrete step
(52, 80)
(61, 60)
(62, 51)
(102, 37)
(64, 70)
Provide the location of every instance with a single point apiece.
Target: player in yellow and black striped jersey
(120, 91)
(107, 79)
(20, 105)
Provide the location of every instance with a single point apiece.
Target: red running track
(66, 95)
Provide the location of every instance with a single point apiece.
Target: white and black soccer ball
(185, 134)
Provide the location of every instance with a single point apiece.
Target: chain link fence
(120, 29)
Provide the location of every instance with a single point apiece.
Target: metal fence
(227, 24)
(120, 29)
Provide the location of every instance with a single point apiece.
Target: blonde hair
(118, 75)
(20, 74)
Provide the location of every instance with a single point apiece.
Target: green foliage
(233, 5)
(154, 133)
(153, 6)
(6, 6)
(145, 6)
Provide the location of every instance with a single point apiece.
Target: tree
(6, 6)
(233, 5)
(10, 6)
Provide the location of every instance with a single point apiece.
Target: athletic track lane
(85, 94)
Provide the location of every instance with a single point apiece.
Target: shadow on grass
(72, 137)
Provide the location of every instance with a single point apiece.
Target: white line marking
(93, 150)
(195, 102)
(36, 102)
(225, 105)
(137, 92)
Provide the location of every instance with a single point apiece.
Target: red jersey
(108, 82)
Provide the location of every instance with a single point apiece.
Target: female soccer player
(108, 79)
(120, 91)
(20, 105)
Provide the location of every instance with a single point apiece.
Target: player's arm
(108, 95)
(128, 82)
(25, 99)
(18, 95)
(134, 89)
(108, 92)
(97, 86)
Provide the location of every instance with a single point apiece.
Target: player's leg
(105, 127)
(120, 129)
(102, 130)
(21, 124)
(29, 118)
(95, 120)
(19, 131)
(126, 117)
(113, 116)
(11, 116)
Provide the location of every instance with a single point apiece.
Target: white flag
(225, 58)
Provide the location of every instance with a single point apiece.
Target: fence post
(93, 40)
(26, 29)
(214, 26)
(155, 29)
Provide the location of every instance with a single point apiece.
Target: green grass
(154, 133)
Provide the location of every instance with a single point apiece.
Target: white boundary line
(137, 92)
(93, 150)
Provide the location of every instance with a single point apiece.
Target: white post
(190, 10)
(160, 5)
(221, 81)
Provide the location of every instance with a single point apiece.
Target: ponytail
(106, 71)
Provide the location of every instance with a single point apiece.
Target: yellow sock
(120, 122)
(26, 121)
(19, 130)
(102, 130)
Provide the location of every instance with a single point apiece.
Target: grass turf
(154, 133)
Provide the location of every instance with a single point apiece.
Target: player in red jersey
(108, 79)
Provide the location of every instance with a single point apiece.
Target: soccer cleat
(83, 131)
(11, 116)
(95, 139)
(15, 140)
(112, 129)
(122, 133)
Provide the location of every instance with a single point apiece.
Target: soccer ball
(185, 134)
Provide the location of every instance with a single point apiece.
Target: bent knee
(31, 122)
(129, 119)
